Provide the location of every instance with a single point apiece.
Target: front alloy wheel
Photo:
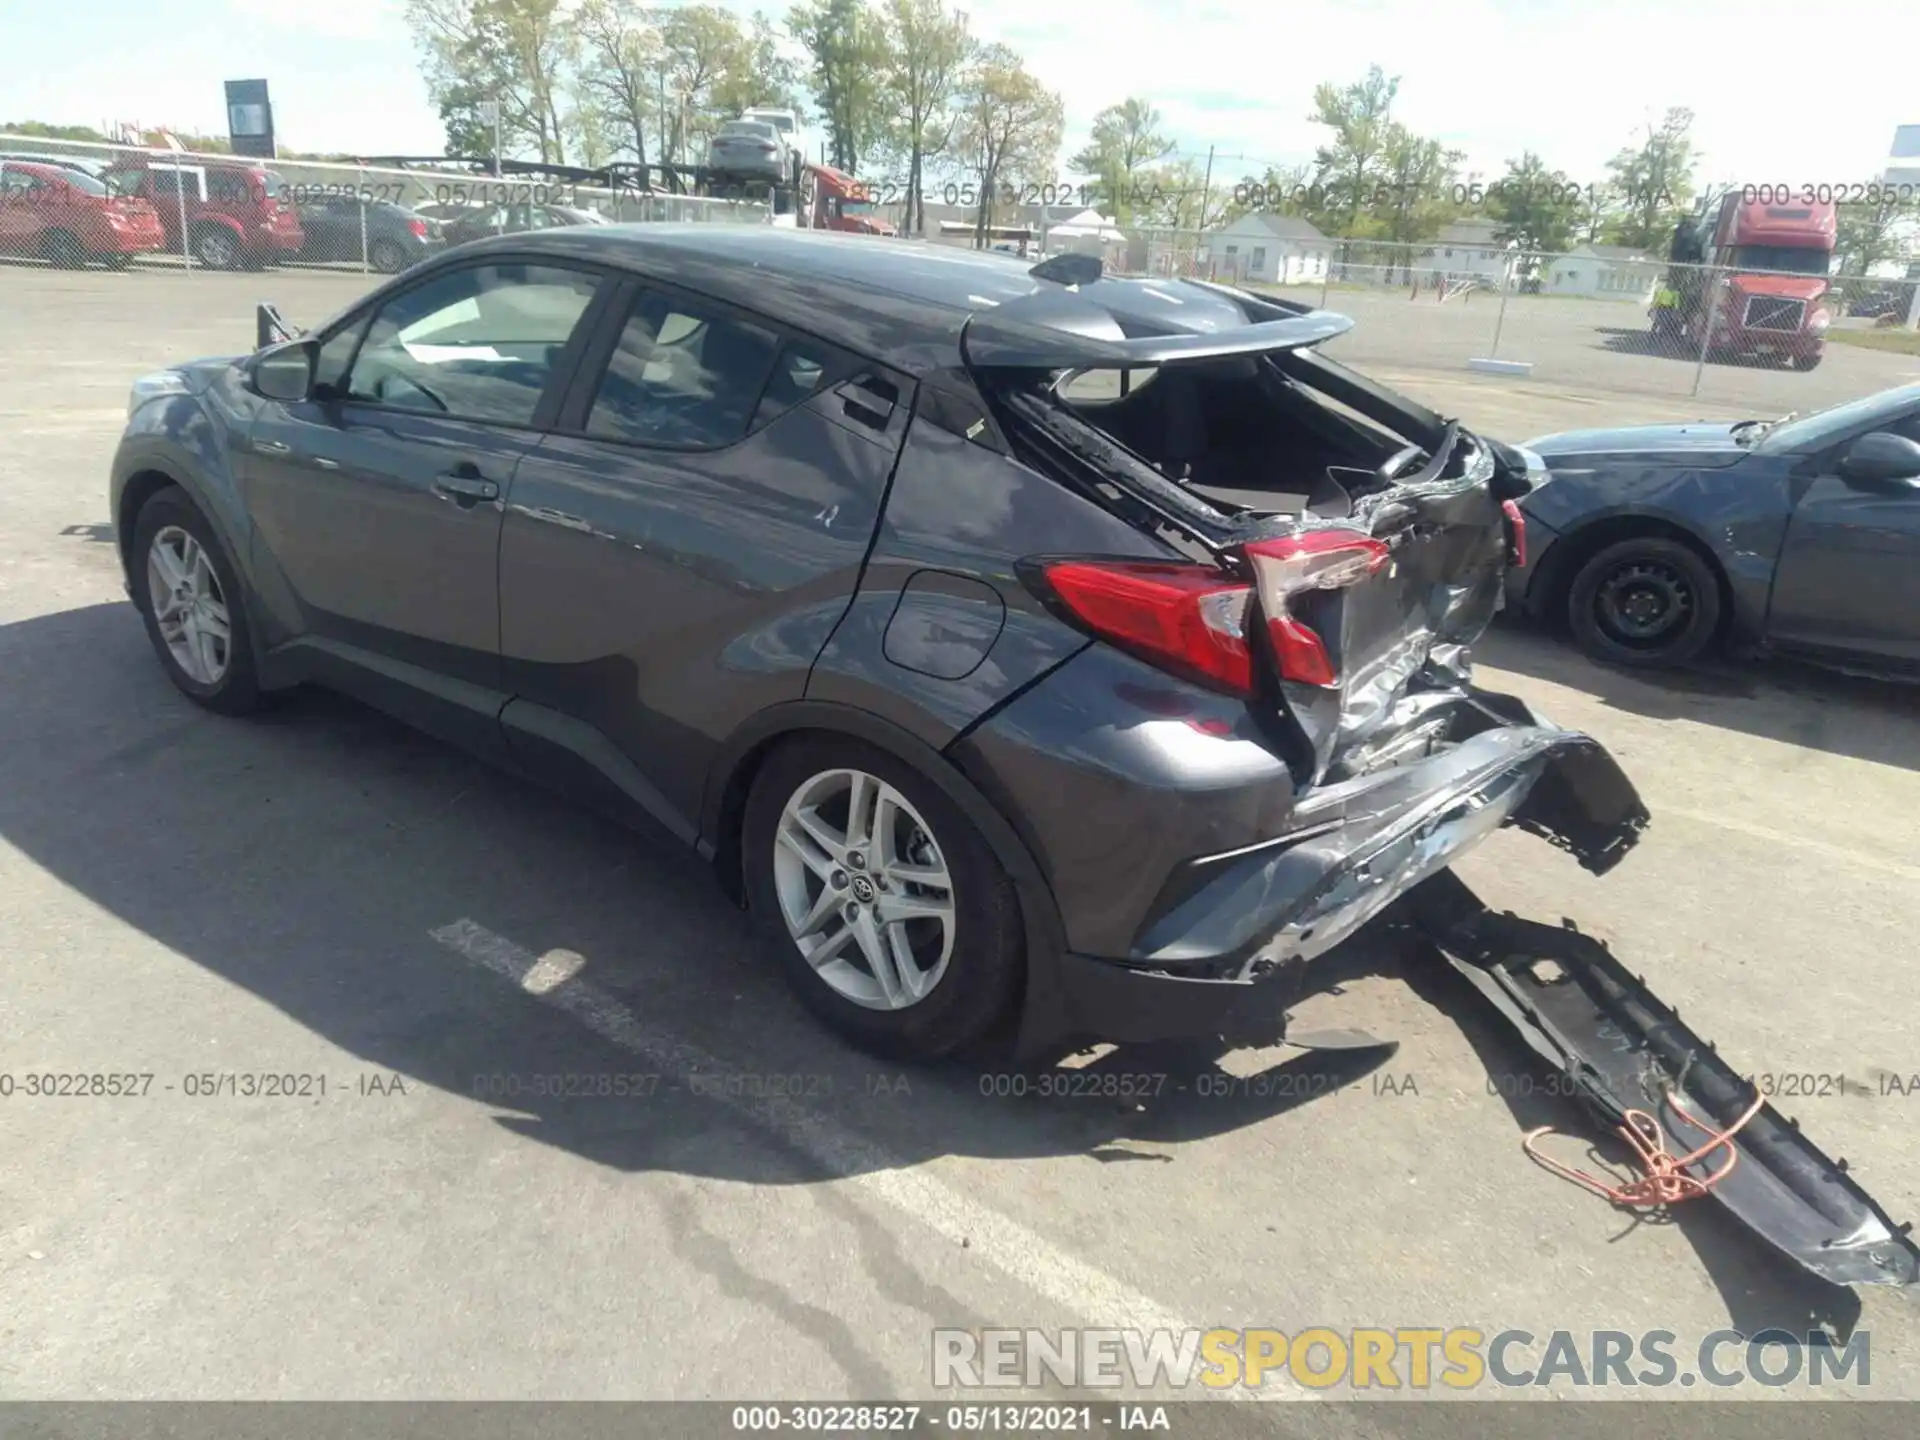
(192, 604)
(863, 889)
(189, 606)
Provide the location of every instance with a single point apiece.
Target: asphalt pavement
(416, 948)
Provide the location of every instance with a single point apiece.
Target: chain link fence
(1596, 317)
(223, 212)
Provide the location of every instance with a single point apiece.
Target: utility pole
(490, 115)
(1206, 191)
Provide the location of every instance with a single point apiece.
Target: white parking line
(1043, 1267)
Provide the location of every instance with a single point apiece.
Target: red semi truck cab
(1772, 304)
(841, 202)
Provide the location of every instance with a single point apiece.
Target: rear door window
(687, 375)
(480, 343)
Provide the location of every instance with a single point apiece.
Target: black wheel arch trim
(1043, 1002)
(167, 465)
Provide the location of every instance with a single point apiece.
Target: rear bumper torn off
(1205, 965)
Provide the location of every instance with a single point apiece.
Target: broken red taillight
(1291, 565)
(417, 228)
(1186, 618)
(1516, 532)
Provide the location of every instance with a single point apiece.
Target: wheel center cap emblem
(863, 889)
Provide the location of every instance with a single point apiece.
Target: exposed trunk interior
(1226, 455)
(1238, 433)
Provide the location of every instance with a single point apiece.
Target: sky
(1784, 94)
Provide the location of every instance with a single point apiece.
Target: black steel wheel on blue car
(1648, 600)
(193, 605)
(892, 918)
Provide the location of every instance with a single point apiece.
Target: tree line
(1376, 179)
(903, 89)
(905, 83)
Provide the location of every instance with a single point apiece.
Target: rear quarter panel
(941, 629)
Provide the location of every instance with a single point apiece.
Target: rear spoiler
(1062, 330)
(270, 328)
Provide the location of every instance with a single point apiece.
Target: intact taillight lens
(1190, 619)
(1295, 565)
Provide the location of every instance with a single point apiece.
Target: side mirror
(285, 371)
(1881, 461)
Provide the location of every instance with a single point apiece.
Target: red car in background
(235, 214)
(68, 218)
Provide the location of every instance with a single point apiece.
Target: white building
(1277, 249)
(1468, 250)
(1607, 272)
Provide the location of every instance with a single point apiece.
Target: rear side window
(685, 376)
(480, 343)
(234, 187)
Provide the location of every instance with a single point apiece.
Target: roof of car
(905, 302)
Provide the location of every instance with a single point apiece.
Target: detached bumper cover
(1361, 844)
(1622, 1048)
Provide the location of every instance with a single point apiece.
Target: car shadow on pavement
(311, 856)
(1775, 699)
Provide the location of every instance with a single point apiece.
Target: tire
(969, 962)
(215, 247)
(386, 257)
(235, 688)
(1646, 601)
(117, 262)
(1804, 363)
(62, 250)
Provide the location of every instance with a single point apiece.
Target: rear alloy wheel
(387, 257)
(193, 606)
(893, 919)
(215, 247)
(1646, 601)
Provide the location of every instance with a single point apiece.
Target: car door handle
(273, 447)
(869, 400)
(465, 487)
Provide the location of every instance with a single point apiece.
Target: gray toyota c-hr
(1033, 651)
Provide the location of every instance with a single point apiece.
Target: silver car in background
(750, 150)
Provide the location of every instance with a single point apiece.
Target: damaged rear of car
(1319, 747)
(1290, 687)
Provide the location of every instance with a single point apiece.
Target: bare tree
(621, 49)
(1010, 126)
(927, 49)
(846, 44)
(517, 53)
